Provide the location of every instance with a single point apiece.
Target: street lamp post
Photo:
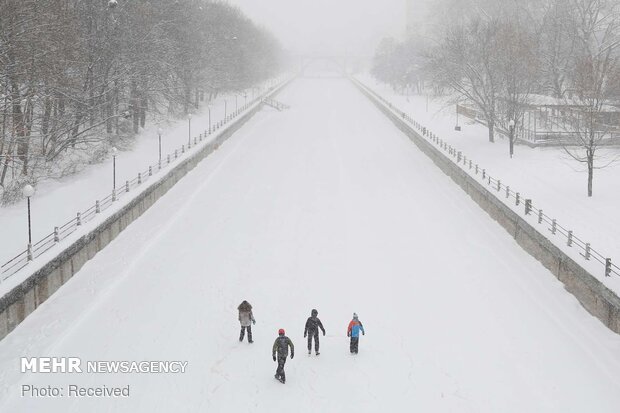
(511, 125)
(28, 192)
(457, 127)
(114, 153)
(189, 130)
(225, 109)
(236, 106)
(159, 132)
(209, 119)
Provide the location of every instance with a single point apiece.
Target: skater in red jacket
(280, 347)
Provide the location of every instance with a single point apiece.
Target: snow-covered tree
(594, 76)
(467, 61)
(78, 73)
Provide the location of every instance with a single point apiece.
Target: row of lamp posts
(28, 190)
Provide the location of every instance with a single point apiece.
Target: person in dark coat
(353, 331)
(312, 331)
(246, 318)
(280, 347)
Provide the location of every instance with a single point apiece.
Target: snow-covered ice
(326, 205)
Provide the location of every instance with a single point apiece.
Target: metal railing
(503, 192)
(275, 104)
(52, 239)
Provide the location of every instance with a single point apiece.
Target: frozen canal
(326, 206)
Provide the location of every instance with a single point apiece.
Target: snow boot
(317, 353)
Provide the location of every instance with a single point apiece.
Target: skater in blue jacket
(355, 326)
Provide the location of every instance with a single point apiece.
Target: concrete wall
(26, 297)
(591, 293)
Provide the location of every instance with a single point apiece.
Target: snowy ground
(554, 182)
(323, 206)
(57, 201)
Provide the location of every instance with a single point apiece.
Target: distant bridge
(340, 66)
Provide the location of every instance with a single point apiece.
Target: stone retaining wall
(595, 297)
(22, 300)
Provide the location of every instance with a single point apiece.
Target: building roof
(550, 101)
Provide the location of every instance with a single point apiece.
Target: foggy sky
(328, 26)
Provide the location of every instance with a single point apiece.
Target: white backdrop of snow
(323, 206)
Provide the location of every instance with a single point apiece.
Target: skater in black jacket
(312, 330)
(280, 346)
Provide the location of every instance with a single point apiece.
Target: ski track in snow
(327, 206)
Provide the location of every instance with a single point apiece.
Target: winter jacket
(246, 318)
(354, 328)
(281, 346)
(312, 326)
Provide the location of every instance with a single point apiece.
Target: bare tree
(466, 60)
(557, 44)
(76, 75)
(383, 62)
(518, 65)
(594, 75)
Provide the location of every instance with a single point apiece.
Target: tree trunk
(76, 125)
(590, 173)
(5, 112)
(134, 104)
(187, 99)
(143, 108)
(109, 111)
(491, 127)
(61, 105)
(19, 124)
(5, 168)
(91, 99)
(136, 122)
(45, 123)
(116, 106)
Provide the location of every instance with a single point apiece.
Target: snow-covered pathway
(326, 206)
(56, 201)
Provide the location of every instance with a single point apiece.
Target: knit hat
(355, 316)
(281, 331)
